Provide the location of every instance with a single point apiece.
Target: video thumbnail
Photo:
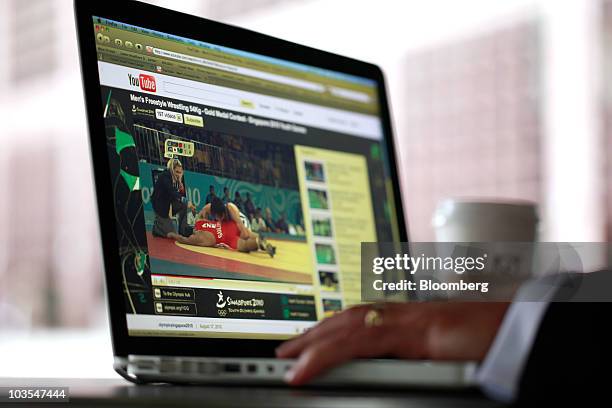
(314, 171)
(318, 199)
(331, 307)
(322, 227)
(325, 254)
(329, 281)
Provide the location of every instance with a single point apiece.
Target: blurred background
(505, 99)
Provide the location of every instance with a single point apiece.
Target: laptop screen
(243, 185)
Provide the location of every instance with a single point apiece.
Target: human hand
(433, 330)
(174, 236)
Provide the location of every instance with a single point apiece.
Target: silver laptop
(236, 176)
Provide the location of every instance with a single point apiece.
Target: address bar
(298, 83)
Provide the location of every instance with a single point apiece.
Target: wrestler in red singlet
(225, 232)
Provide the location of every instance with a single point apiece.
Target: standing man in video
(226, 196)
(169, 201)
(211, 194)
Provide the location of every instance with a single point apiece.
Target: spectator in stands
(299, 217)
(249, 207)
(281, 224)
(211, 194)
(226, 196)
(169, 201)
(238, 202)
(258, 224)
(269, 221)
(292, 230)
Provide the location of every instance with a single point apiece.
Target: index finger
(327, 353)
(348, 318)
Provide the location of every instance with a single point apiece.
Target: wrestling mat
(292, 262)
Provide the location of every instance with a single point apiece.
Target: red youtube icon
(147, 83)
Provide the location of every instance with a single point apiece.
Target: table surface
(110, 392)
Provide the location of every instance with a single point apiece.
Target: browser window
(243, 185)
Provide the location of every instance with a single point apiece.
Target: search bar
(298, 83)
(350, 94)
(202, 94)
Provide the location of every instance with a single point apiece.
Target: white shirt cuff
(499, 374)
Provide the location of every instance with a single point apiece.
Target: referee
(169, 201)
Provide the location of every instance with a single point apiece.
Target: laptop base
(261, 371)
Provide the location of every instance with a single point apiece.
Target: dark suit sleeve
(571, 355)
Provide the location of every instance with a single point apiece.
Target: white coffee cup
(496, 225)
(462, 220)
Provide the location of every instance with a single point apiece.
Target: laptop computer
(236, 175)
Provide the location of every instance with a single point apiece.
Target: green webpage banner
(147, 50)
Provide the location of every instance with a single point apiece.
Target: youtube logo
(147, 83)
(144, 82)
